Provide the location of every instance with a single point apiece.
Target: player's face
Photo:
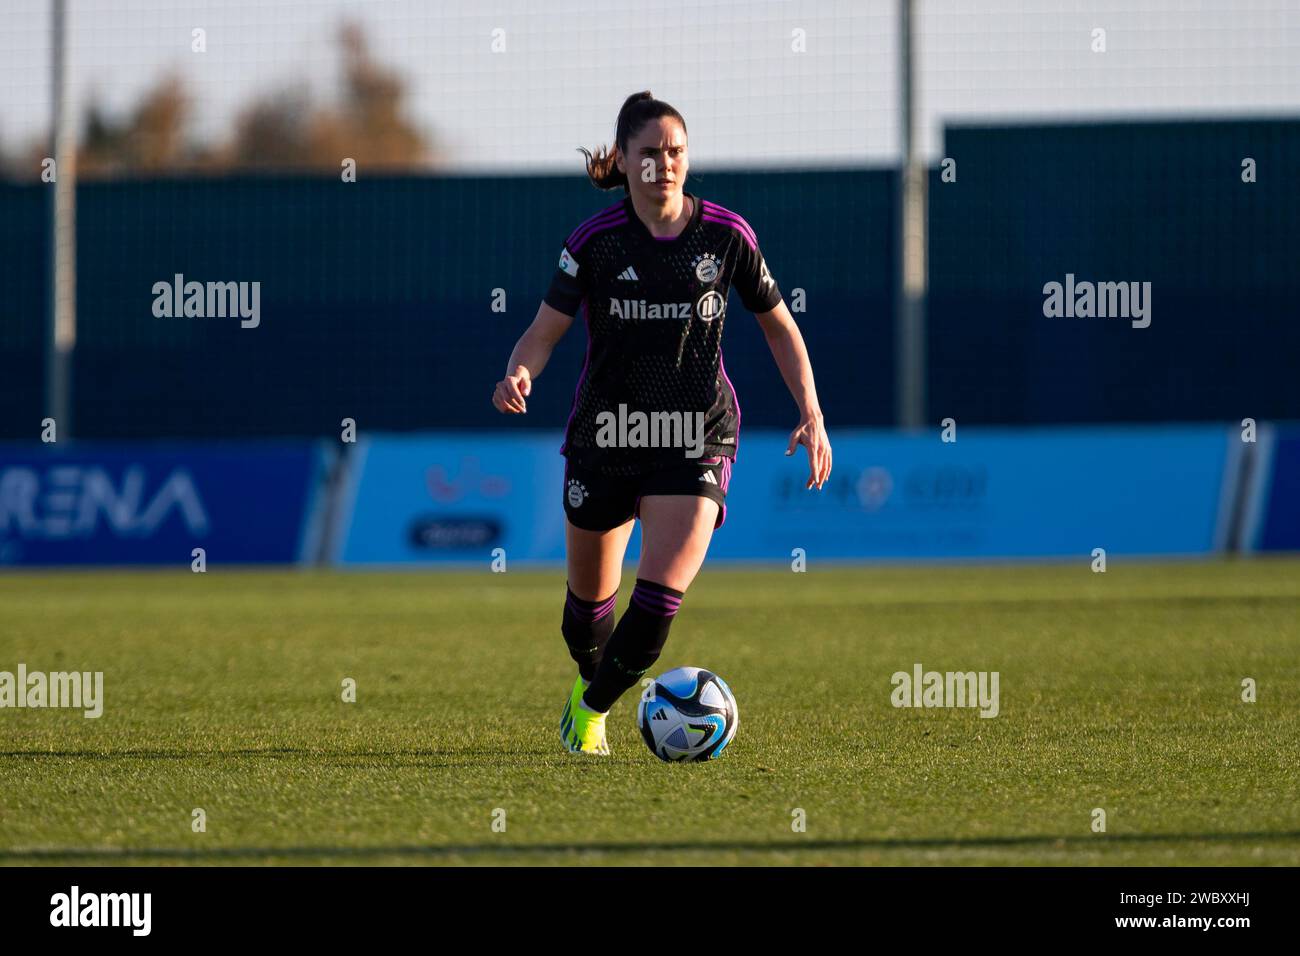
(655, 162)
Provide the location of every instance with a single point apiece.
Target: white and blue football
(687, 714)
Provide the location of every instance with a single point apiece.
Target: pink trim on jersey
(723, 212)
(615, 217)
(722, 365)
(598, 228)
(607, 211)
(715, 213)
(728, 222)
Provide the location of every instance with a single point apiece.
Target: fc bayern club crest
(707, 267)
(576, 492)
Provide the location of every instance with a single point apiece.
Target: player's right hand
(511, 391)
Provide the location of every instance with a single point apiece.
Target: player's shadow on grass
(421, 756)
(73, 854)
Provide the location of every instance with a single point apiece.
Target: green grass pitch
(1120, 691)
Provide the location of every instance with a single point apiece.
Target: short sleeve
(758, 290)
(568, 285)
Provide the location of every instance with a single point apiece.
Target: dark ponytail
(638, 109)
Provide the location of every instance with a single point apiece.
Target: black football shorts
(596, 502)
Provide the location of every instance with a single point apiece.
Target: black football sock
(586, 627)
(636, 643)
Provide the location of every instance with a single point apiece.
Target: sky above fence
(761, 82)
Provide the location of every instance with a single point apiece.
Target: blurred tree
(372, 108)
(280, 130)
(151, 140)
(284, 131)
(274, 132)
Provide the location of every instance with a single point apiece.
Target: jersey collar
(639, 227)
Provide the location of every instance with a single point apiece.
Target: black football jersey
(655, 310)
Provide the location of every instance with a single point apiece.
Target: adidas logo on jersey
(708, 478)
(628, 275)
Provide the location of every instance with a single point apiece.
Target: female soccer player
(655, 422)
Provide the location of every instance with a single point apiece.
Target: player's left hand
(811, 433)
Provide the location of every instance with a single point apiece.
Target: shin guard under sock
(637, 641)
(586, 627)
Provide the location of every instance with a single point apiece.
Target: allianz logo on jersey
(708, 307)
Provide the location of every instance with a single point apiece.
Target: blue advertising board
(991, 494)
(453, 497)
(1277, 505)
(153, 504)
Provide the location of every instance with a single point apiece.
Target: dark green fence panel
(376, 300)
(1156, 202)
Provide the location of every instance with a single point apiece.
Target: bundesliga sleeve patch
(568, 263)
